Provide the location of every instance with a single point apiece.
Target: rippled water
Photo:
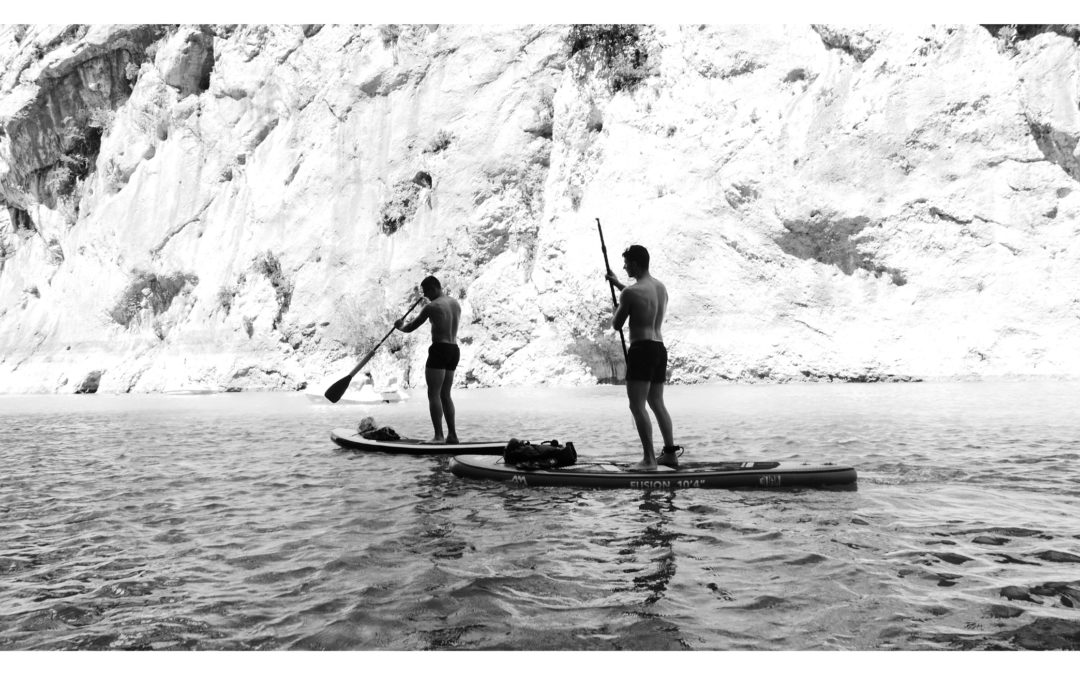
(232, 522)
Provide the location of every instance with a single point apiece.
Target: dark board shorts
(646, 361)
(443, 356)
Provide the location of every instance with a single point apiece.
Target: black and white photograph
(495, 334)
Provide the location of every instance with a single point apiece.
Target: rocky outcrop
(234, 207)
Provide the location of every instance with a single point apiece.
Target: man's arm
(415, 323)
(622, 312)
(610, 276)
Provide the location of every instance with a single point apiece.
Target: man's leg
(448, 406)
(663, 419)
(638, 391)
(435, 377)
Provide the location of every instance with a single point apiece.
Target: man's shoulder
(647, 285)
(450, 303)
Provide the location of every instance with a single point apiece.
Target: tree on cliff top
(617, 50)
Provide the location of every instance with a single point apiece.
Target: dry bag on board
(368, 430)
(533, 456)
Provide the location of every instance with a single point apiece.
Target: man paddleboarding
(444, 313)
(644, 303)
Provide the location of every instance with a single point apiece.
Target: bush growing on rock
(268, 265)
(80, 146)
(149, 291)
(599, 347)
(389, 33)
(543, 124)
(59, 180)
(401, 206)
(225, 297)
(102, 118)
(439, 142)
(359, 326)
(6, 251)
(616, 49)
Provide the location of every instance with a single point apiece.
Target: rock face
(237, 207)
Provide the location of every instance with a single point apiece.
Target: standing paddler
(644, 303)
(444, 313)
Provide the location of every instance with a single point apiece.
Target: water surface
(230, 521)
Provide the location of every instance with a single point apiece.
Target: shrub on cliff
(359, 326)
(598, 346)
(149, 291)
(615, 50)
(268, 265)
(439, 142)
(225, 297)
(401, 206)
(6, 251)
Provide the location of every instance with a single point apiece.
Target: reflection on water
(232, 522)
(655, 543)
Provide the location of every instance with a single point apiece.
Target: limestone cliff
(238, 207)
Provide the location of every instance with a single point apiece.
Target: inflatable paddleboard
(352, 440)
(688, 475)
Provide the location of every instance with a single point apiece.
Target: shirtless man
(644, 304)
(443, 354)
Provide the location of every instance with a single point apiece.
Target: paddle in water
(614, 300)
(337, 389)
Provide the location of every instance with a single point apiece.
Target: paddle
(611, 284)
(337, 389)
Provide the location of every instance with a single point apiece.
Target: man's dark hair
(637, 253)
(432, 282)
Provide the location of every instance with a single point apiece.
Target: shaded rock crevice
(834, 242)
(90, 383)
(54, 138)
(1058, 147)
(187, 62)
(854, 43)
(1012, 32)
(21, 222)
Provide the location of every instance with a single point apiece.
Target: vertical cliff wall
(233, 207)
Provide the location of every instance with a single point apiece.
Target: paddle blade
(337, 389)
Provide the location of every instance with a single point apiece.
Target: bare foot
(451, 440)
(644, 466)
(438, 440)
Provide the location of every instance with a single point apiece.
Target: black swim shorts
(646, 361)
(443, 356)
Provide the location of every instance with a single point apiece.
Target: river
(231, 522)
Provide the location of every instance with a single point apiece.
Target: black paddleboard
(689, 475)
(352, 440)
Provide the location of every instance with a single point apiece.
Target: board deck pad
(352, 440)
(766, 474)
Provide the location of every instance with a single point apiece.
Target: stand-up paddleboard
(688, 475)
(352, 440)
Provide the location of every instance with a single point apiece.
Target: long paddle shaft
(337, 389)
(611, 284)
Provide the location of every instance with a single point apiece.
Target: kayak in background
(688, 475)
(366, 394)
(352, 440)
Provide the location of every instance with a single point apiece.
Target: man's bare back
(645, 303)
(444, 313)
